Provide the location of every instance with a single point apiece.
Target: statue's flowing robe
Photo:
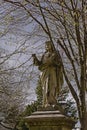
(52, 77)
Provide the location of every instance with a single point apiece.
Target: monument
(52, 76)
(49, 116)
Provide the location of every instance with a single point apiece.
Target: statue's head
(48, 46)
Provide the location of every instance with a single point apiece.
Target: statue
(52, 76)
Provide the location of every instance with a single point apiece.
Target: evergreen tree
(39, 92)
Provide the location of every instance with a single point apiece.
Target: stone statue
(52, 76)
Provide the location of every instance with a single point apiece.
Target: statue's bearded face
(48, 47)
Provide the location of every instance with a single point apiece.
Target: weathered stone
(52, 74)
(49, 120)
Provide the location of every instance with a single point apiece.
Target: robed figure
(52, 75)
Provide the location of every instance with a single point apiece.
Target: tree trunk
(85, 125)
(83, 96)
(85, 128)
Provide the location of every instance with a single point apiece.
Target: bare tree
(13, 84)
(64, 22)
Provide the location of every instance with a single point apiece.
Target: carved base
(49, 120)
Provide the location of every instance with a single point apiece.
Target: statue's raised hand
(35, 60)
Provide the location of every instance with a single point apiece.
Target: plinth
(49, 120)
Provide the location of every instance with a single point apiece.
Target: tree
(12, 97)
(64, 22)
(14, 80)
(39, 92)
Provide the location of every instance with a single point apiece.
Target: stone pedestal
(49, 120)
